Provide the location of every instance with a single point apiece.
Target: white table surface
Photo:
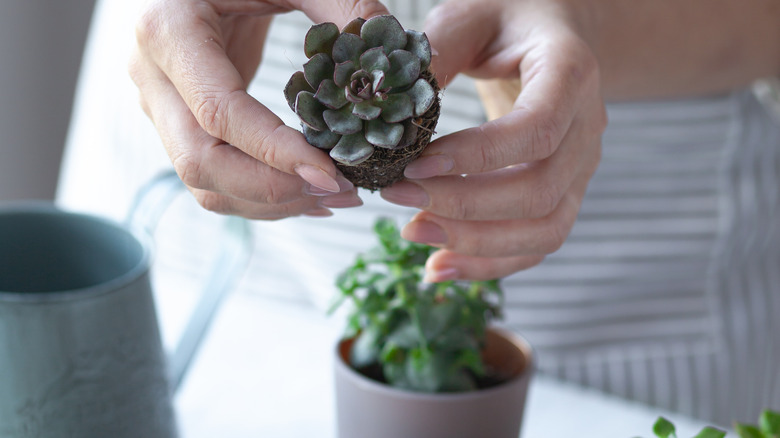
(264, 370)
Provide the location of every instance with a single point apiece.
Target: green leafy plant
(367, 96)
(768, 427)
(411, 334)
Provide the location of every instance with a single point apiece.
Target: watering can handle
(149, 204)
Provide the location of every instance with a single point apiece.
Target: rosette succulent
(367, 96)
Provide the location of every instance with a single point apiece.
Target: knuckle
(272, 194)
(188, 168)
(552, 237)
(546, 129)
(148, 27)
(273, 191)
(495, 151)
(582, 66)
(477, 244)
(542, 201)
(266, 148)
(461, 208)
(211, 112)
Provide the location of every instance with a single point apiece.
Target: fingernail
(344, 186)
(341, 200)
(424, 232)
(319, 212)
(406, 193)
(438, 276)
(317, 177)
(428, 166)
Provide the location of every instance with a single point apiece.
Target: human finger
(459, 47)
(340, 12)
(497, 238)
(558, 83)
(444, 265)
(310, 206)
(529, 190)
(203, 161)
(485, 250)
(183, 38)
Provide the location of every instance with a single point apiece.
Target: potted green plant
(421, 360)
(768, 427)
(418, 360)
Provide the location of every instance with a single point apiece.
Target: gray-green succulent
(362, 87)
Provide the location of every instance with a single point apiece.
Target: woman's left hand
(499, 197)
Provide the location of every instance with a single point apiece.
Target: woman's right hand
(192, 65)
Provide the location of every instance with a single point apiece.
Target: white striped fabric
(667, 290)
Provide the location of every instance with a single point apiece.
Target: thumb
(460, 32)
(340, 12)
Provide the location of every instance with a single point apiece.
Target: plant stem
(417, 323)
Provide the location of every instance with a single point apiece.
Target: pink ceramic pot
(370, 409)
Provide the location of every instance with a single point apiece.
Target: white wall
(41, 42)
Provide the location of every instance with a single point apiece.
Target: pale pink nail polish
(424, 232)
(440, 275)
(344, 186)
(317, 177)
(341, 200)
(429, 166)
(407, 194)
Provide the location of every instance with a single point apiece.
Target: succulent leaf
(366, 110)
(354, 26)
(384, 31)
(342, 121)
(379, 80)
(418, 44)
(382, 134)
(352, 149)
(422, 95)
(360, 86)
(397, 108)
(331, 94)
(321, 139)
(374, 59)
(343, 73)
(348, 47)
(295, 85)
(317, 69)
(351, 95)
(410, 135)
(404, 69)
(310, 110)
(320, 39)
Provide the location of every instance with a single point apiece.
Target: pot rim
(44, 208)
(521, 378)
